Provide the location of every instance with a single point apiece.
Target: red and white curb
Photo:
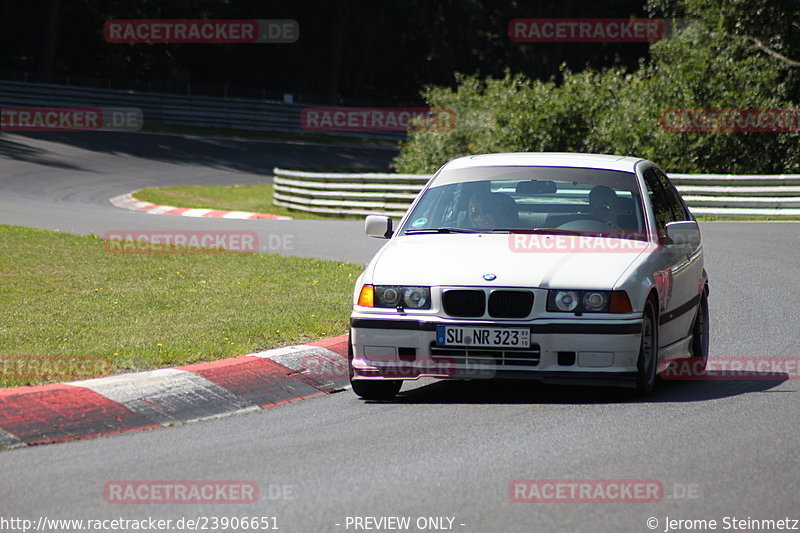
(127, 201)
(62, 412)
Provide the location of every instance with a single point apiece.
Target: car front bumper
(597, 352)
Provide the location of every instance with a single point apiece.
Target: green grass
(65, 301)
(254, 198)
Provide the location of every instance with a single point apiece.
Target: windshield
(530, 198)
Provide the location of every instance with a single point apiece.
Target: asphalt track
(720, 448)
(64, 181)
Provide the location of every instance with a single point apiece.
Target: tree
(704, 65)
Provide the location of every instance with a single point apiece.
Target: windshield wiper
(557, 231)
(442, 230)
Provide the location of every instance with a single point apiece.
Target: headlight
(417, 297)
(566, 300)
(595, 302)
(578, 301)
(399, 296)
(389, 296)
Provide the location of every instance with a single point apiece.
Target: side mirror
(378, 226)
(684, 232)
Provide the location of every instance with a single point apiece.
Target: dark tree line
(356, 51)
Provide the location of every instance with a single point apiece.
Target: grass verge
(254, 198)
(72, 310)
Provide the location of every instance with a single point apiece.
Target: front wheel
(647, 364)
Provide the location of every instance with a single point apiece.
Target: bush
(614, 111)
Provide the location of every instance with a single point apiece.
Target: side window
(662, 208)
(678, 208)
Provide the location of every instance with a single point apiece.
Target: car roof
(546, 159)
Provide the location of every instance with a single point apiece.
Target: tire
(647, 365)
(371, 389)
(700, 335)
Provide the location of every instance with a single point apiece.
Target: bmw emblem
(489, 277)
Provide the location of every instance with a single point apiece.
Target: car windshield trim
(421, 231)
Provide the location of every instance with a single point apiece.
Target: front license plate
(483, 337)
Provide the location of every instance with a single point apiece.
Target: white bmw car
(558, 267)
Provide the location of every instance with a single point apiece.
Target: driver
(604, 205)
(492, 211)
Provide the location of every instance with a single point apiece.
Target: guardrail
(743, 195)
(391, 194)
(173, 109)
(346, 193)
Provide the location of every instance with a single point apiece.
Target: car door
(680, 274)
(687, 281)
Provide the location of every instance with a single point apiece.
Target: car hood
(464, 259)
